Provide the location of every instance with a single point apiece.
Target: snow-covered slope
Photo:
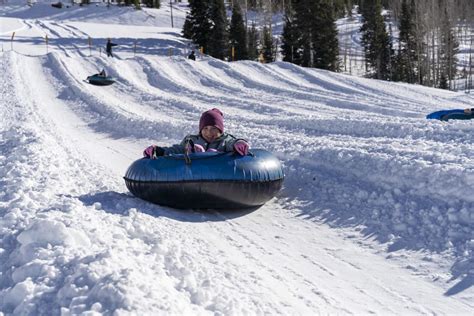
(376, 214)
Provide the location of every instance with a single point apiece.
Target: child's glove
(198, 148)
(153, 152)
(241, 147)
(194, 148)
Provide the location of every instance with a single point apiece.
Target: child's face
(210, 133)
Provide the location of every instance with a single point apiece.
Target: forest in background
(427, 42)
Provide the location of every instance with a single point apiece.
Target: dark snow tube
(100, 81)
(208, 180)
(446, 115)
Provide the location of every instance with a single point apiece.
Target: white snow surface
(376, 214)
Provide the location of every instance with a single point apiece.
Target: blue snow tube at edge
(446, 115)
(207, 180)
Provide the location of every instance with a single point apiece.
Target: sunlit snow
(376, 215)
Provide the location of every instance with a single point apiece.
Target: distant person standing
(108, 48)
(192, 56)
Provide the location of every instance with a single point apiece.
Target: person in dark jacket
(108, 48)
(211, 137)
(192, 56)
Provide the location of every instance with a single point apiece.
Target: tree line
(415, 41)
(427, 45)
(307, 41)
(207, 26)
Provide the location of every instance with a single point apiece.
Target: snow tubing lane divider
(209, 181)
(100, 81)
(446, 115)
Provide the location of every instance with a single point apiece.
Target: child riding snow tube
(100, 80)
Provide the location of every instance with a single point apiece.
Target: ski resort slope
(375, 217)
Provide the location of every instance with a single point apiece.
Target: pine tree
(349, 5)
(325, 37)
(317, 44)
(304, 15)
(375, 40)
(152, 3)
(252, 41)
(238, 34)
(267, 45)
(197, 25)
(218, 35)
(449, 47)
(290, 39)
(443, 82)
(407, 58)
(136, 3)
(339, 7)
(188, 28)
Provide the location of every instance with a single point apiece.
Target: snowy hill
(376, 214)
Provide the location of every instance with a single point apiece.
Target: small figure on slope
(108, 48)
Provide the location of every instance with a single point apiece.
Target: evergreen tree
(290, 39)
(375, 40)
(136, 3)
(238, 34)
(188, 28)
(314, 23)
(325, 37)
(197, 25)
(152, 3)
(406, 59)
(304, 15)
(267, 46)
(349, 7)
(218, 35)
(449, 47)
(339, 7)
(443, 82)
(252, 40)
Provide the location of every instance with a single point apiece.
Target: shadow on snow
(327, 195)
(121, 203)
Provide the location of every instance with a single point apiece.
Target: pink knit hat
(212, 117)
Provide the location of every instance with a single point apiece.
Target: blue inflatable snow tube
(446, 115)
(207, 180)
